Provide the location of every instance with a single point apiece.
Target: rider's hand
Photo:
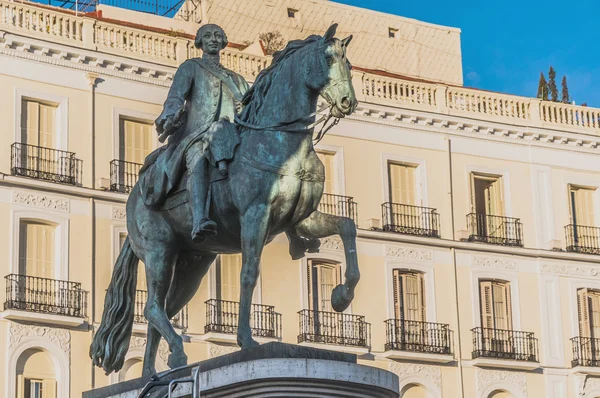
(168, 125)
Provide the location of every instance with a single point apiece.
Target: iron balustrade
(180, 320)
(123, 175)
(411, 220)
(497, 230)
(43, 295)
(334, 328)
(416, 336)
(339, 205)
(586, 351)
(504, 344)
(582, 239)
(222, 317)
(45, 164)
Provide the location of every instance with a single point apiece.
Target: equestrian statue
(239, 169)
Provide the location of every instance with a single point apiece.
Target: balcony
(123, 175)
(411, 220)
(45, 164)
(582, 239)
(222, 321)
(179, 321)
(586, 355)
(339, 205)
(34, 299)
(505, 348)
(335, 328)
(423, 341)
(496, 230)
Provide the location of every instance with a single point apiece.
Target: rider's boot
(197, 187)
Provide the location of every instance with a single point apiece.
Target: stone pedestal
(271, 370)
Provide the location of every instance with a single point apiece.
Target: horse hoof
(341, 298)
(148, 372)
(177, 359)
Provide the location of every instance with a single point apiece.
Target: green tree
(552, 89)
(565, 91)
(542, 88)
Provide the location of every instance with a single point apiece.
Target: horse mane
(254, 97)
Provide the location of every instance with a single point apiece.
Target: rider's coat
(206, 91)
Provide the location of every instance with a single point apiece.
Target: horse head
(333, 79)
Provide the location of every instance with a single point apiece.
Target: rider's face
(212, 41)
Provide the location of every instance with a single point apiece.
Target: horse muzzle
(344, 107)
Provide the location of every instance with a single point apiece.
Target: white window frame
(427, 270)
(574, 285)
(327, 256)
(589, 184)
(117, 230)
(61, 240)
(421, 194)
(143, 117)
(339, 185)
(62, 115)
(512, 278)
(504, 174)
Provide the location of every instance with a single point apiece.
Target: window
(291, 13)
(323, 277)
(582, 206)
(328, 158)
(35, 388)
(135, 140)
(588, 309)
(228, 270)
(495, 303)
(409, 296)
(487, 195)
(402, 183)
(36, 249)
(38, 123)
(392, 32)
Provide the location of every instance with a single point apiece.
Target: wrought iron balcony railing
(43, 295)
(339, 205)
(123, 175)
(425, 337)
(586, 351)
(582, 239)
(45, 164)
(222, 317)
(497, 230)
(505, 344)
(412, 220)
(334, 328)
(180, 320)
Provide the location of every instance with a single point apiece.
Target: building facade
(478, 212)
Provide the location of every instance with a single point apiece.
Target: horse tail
(111, 341)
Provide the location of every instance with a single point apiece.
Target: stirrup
(205, 228)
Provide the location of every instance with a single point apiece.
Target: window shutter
(487, 313)
(583, 312)
(422, 301)
(49, 388)
(473, 194)
(508, 305)
(402, 183)
(594, 317)
(309, 290)
(397, 279)
(328, 162)
(231, 267)
(135, 140)
(47, 116)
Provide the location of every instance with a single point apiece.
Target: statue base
(272, 369)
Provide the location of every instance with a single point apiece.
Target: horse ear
(330, 32)
(346, 41)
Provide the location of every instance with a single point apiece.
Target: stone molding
(332, 243)
(40, 200)
(569, 270)
(162, 353)
(118, 213)
(408, 253)
(430, 373)
(493, 262)
(487, 379)
(216, 350)
(19, 333)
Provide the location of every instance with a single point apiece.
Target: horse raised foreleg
(255, 224)
(320, 225)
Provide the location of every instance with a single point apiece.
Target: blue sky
(506, 44)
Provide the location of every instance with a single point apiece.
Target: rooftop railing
(45, 164)
(425, 337)
(582, 239)
(173, 48)
(334, 328)
(339, 205)
(222, 317)
(496, 230)
(46, 296)
(505, 344)
(411, 220)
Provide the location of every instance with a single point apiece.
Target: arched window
(500, 394)
(35, 375)
(132, 369)
(414, 391)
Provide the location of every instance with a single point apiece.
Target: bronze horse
(275, 186)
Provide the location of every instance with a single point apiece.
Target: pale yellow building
(478, 212)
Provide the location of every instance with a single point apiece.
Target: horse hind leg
(189, 271)
(320, 225)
